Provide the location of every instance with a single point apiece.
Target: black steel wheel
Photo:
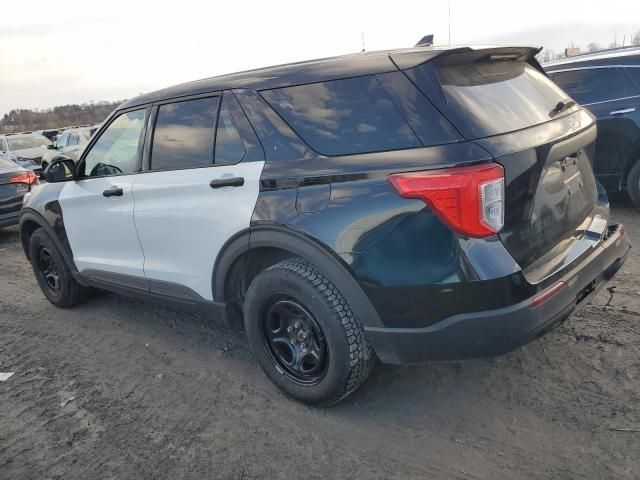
(48, 270)
(52, 273)
(295, 340)
(304, 334)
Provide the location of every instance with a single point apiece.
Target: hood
(29, 153)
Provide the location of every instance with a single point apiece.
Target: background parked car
(608, 84)
(50, 133)
(15, 182)
(25, 150)
(70, 145)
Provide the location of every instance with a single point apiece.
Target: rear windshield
(487, 98)
(22, 143)
(6, 163)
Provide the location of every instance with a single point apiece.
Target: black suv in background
(417, 204)
(608, 84)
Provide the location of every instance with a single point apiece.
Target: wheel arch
(631, 158)
(30, 221)
(252, 251)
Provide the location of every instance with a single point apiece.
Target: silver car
(25, 149)
(70, 145)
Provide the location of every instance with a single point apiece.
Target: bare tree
(635, 39)
(593, 47)
(21, 119)
(547, 55)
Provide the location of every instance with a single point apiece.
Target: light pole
(449, 22)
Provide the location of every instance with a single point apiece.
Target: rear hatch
(11, 193)
(501, 100)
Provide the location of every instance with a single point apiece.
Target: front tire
(304, 335)
(53, 275)
(633, 184)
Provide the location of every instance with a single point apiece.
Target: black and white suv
(412, 205)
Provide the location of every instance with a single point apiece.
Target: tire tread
(361, 354)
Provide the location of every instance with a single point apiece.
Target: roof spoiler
(416, 57)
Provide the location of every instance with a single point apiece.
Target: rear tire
(633, 184)
(53, 275)
(304, 335)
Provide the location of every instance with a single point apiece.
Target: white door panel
(183, 223)
(100, 229)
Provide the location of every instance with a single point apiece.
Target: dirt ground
(118, 388)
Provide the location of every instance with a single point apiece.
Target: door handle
(623, 111)
(227, 182)
(113, 192)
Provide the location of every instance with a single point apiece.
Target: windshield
(23, 143)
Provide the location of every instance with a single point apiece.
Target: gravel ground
(118, 388)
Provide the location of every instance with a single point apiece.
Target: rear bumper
(493, 332)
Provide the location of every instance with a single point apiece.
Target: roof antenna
(363, 50)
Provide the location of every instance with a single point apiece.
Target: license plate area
(585, 292)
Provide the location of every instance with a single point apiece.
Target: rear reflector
(27, 177)
(547, 294)
(469, 199)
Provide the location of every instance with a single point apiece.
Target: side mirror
(51, 146)
(61, 170)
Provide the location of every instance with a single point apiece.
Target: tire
(633, 184)
(53, 275)
(44, 166)
(338, 356)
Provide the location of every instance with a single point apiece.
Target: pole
(449, 22)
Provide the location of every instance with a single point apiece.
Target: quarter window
(594, 84)
(229, 146)
(184, 134)
(338, 117)
(117, 150)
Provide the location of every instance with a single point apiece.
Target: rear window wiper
(561, 106)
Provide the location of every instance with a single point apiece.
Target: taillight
(469, 199)
(27, 177)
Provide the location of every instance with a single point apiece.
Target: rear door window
(184, 134)
(490, 97)
(634, 73)
(339, 117)
(591, 85)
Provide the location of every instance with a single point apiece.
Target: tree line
(24, 119)
(549, 54)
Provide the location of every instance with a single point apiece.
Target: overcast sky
(78, 51)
